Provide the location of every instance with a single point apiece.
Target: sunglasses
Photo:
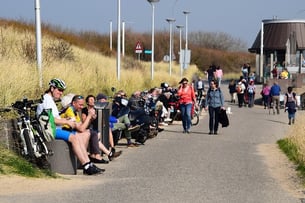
(61, 90)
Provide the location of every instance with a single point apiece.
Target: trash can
(302, 101)
(103, 113)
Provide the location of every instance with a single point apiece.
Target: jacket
(214, 98)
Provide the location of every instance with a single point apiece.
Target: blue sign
(147, 51)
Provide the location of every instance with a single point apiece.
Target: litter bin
(302, 101)
(103, 121)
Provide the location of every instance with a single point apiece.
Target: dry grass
(88, 73)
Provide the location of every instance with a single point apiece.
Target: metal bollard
(103, 121)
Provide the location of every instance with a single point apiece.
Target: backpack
(238, 88)
(47, 123)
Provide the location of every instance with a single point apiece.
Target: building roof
(277, 32)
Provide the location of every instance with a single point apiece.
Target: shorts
(63, 134)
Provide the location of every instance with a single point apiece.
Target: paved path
(196, 167)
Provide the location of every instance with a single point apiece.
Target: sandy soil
(280, 168)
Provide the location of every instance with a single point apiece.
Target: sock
(86, 165)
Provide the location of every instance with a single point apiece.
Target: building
(283, 45)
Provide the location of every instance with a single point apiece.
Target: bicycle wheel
(26, 135)
(195, 118)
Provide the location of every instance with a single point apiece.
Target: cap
(101, 96)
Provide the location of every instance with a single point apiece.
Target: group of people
(244, 90)
(271, 99)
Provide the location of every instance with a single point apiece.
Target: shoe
(98, 161)
(92, 170)
(160, 129)
(215, 133)
(188, 132)
(132, 145)
(114, 155)
(167, 120)
(210, 133)
(184, 131)
(134, 128)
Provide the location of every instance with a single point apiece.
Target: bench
(63, 160)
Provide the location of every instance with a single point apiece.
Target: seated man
(77, 139)
(123, 122)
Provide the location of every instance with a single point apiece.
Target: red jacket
(186, 95)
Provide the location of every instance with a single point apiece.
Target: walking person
(232, 90)
(218, 75)
(265, 94)
(290, 103)
(214, 102)
(275, 92)
(187, 99)
(240, 90)
(251, 93)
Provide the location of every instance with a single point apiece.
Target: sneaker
(210, 133)
(167, 120)
(114, 155)
(132, 145)
(92, 170)
(188, 132)
(134, 128)
(163, 124)
(215, 133)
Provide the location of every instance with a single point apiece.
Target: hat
(66, 100)
(183, 79)
(101, 96)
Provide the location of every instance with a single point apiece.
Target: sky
(241, 19)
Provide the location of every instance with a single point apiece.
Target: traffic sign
(139, 48)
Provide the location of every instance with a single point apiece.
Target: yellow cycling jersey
(70, 114)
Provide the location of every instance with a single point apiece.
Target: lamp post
(110, 35)
(180, 27)
(170, 21)
(186, 39)
(119, 39)
(38, 40)
(152, 3)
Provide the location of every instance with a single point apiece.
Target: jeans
(186, 115)
(214, 118)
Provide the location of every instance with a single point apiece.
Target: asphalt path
(195, 167)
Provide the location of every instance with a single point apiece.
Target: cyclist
(53, 93)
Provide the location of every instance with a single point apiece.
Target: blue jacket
(214, 98)
(275, 90)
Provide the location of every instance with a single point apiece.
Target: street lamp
(180, 27)
(38, 40)
(152, 3)
(119, 40)
(170, 21)
(186, 40)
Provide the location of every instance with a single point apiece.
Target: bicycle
(33, 146)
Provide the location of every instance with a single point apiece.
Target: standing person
(200, 88)
(232, 90)
(266, 95)
(211, 73)
(214, 102)
(290, 103)
(275, 92)
(245, 71)
(218, 75)
(251, 93)
(78, 140)
(187, 99)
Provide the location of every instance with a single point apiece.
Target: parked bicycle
(33, 146)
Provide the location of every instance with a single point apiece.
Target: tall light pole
(186, 39)
(180, 27)
(119, 40)
(110, 35)
(170, 21)
(123, 38)
(152, 3)
(38, 41)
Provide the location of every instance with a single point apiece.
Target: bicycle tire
(28, 144)
(195, 118)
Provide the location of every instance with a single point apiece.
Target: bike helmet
(57, 83)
